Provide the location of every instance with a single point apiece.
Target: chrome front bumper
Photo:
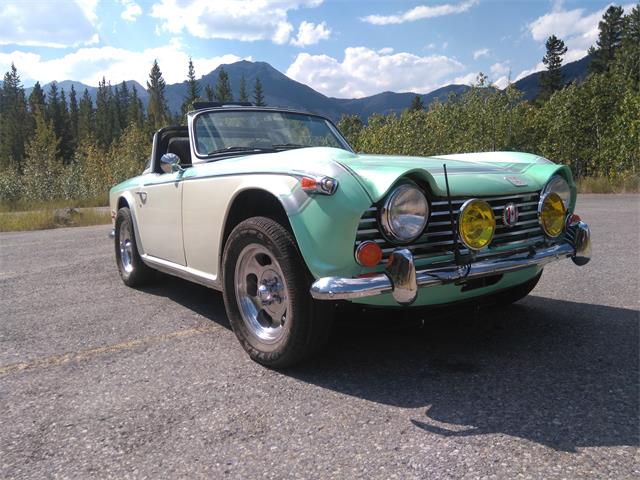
(402, 280)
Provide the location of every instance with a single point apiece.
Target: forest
(58, 145)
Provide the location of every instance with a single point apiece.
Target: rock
(66, 216)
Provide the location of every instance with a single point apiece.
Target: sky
(342, 48)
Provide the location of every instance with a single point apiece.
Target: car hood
(470, 174)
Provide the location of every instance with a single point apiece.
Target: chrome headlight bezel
(543, 199)
(559, 185)
(392, 232)
(461, 215)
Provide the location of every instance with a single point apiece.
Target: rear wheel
(133, 270)
(266, 295)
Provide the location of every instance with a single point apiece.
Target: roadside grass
(630, 184)
(51, 218)
(31, 205)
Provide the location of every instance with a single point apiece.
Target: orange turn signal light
(369, 254)
(308, 183)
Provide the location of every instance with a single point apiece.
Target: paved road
(99, 380)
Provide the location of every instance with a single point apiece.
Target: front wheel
(132, 269)
(266, 295)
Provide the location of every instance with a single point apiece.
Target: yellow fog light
(551, 212)
(476, 224)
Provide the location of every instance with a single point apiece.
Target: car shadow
(202, 300)
(559, 373)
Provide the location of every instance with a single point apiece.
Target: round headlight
(559, 185)
(551, 213)
(476, 224)
(405, 214)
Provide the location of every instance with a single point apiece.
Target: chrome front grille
(438, 237)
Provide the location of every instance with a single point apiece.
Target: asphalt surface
(98, 380)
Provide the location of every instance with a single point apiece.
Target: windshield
(240, 131)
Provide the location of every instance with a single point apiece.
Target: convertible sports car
(274, 208)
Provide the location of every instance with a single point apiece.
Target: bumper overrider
(401, 279)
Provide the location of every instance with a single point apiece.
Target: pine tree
(223, 87)
(65, 136)
(157, 110)
(124, 97)
(243, 97)
(115, 113)
(416, 104)
(103, 115)
(85, 117)
(73, 114)
(208, 93)
(193, 89)
(36, 99)
(14, 121)
(551, 80)
(258, 95)
(609, 38)
(52, 111)
(135, 111)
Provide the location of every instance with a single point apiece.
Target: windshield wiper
(241, 149)
(288, 145)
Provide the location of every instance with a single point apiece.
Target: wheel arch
(125, 199)
(253, 202)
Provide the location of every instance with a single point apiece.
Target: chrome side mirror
(170, 162)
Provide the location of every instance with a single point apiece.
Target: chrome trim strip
(186, 273)
(345, 288)
(519, 232)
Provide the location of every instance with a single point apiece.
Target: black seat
(181, 147)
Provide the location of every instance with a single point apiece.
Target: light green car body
(325, 226)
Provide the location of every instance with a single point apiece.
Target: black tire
(133, 271)
(512, 295)
(308, 322)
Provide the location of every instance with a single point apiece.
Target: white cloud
(468, 79)
(499, 69)
(48, 24)
(131, 10)
(310, 34)
(364, 71)
(88, 7)
(385, 51)
(578, 29)
(482, 52)
(430, 46)
(420, 12)
(245, 20)
(89, 65)
(502, 82)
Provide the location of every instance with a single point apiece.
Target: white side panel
(158, 208)
(205, 205)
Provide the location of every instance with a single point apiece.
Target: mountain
(279, 89)
(391, 102)
(282, 91)
(573, 71)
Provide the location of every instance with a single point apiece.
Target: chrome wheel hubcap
(126, 248)
(261, 293)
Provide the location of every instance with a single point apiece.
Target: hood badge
(517, 181)
(510, 214)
